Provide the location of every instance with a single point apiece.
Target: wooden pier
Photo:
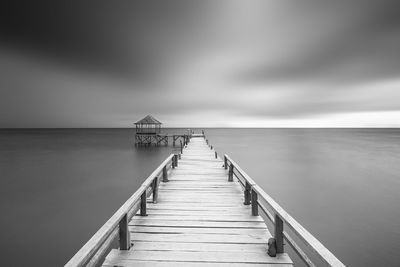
(192, 212)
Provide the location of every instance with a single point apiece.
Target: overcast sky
(233, 63)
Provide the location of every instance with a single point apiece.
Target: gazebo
(148, 125)
(148, 132)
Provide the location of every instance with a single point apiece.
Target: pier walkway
(200, 210)
(199, 218)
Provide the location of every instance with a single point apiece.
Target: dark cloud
(358, 41)
(131, 38)
(98, 63)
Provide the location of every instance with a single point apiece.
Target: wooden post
(247, 194)
(181, 146)
(143, 200)
(230, 173)
(173, 140)
(225, 162)
(124, 235)
(216, 155)
(211, 147)
(176, 160)
(279, 234)
(165, 174)
(155, 189)
(254, 203)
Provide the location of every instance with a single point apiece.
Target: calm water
(59, 186)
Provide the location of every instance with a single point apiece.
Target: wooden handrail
(281, 215)
(102, 236)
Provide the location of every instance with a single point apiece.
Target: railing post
(176, 160)
(254, 203)
(247, 193)
(165, 174)
(124, 235)
(143, 200)
(279, 234)
(155, 189)
(225, 162)
(216, 155)
(230, 173)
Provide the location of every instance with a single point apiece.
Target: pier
(200, 209)
(148, 133)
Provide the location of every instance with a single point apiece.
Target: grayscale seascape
(59, 186)
(176, 133)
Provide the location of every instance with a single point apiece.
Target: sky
(226, 63)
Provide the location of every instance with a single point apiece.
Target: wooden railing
(255, 196)
(117, 226)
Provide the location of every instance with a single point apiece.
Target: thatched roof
(148, 120)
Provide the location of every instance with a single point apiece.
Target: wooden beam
(247, 194)
(278, 234)
(254, 203)
(143, 201)
(124, 234)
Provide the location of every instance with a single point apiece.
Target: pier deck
(199, 219)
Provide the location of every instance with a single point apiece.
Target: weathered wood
(150, 263)
(124, 236)
(155, 190)
(200, 238)
(165, 174)
(176, 160)
(225, 162)
(216, 218)
(202, 256)
(193, 230)
(143, 201)
(198, 224)
(303, 256)
(254, 203)
(247, 194)
(278, 234)
(230, 173)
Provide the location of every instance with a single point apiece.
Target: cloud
(107, 63)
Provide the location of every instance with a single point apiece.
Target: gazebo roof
(148, 120)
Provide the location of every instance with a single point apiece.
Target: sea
(59, 186)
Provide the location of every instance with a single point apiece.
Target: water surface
(59, 186)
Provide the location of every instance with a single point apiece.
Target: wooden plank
(201, 256)
(192, 212)
(221, 218)
(201, 238)
(190, 230)
(187, 246)
(148, 263)
(184, 206)
(151, 222)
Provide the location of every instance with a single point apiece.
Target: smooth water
(59, 186)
